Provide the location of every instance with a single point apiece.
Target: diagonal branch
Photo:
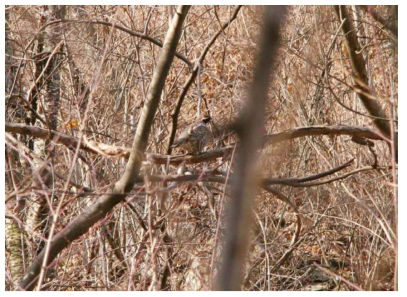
(192, 77)
(97, 211)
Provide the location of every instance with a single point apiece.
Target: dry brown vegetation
(79, 81)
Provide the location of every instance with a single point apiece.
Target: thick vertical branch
(247, 178)
(81, 224)
(391, 25)
(359, 68)
(13, 235)
(47, 91)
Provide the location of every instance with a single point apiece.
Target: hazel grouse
(195, 137)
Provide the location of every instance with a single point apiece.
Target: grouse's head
(206, 119)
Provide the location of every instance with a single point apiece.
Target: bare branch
(117, 151)
(359, 69)
(69, 141)
(246, 176)
(362, 132)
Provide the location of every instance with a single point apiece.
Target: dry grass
(348, 225)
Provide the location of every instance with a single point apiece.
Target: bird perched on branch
(195, 137)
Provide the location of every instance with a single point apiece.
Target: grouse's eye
(206, 119)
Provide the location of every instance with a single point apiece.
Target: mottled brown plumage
(195, 137)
